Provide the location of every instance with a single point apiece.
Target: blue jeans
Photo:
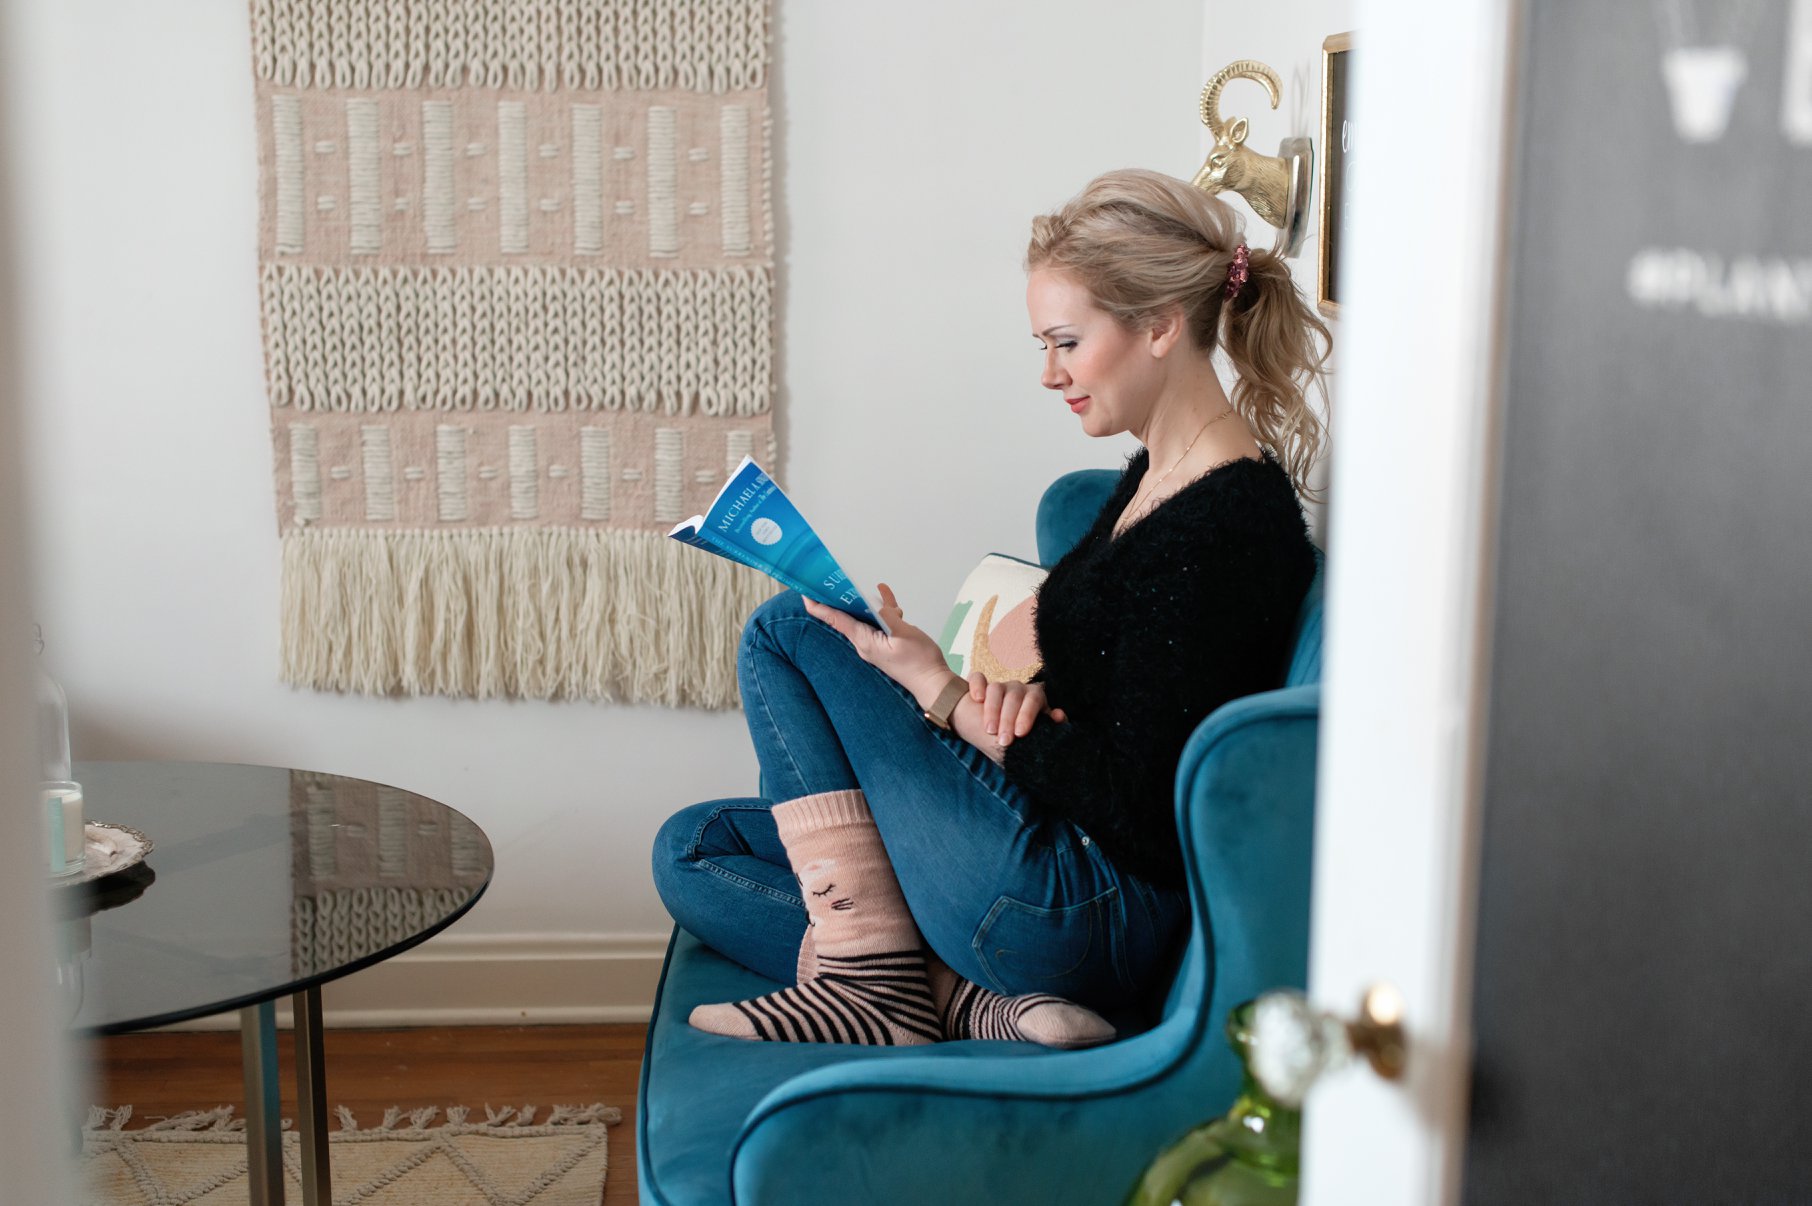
(1013, 900)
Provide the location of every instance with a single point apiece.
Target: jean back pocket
(1070, 952)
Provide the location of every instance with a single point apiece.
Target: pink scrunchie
(1239, 271)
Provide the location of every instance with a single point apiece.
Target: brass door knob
(1377, 1033)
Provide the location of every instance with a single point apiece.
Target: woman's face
(1108, 375)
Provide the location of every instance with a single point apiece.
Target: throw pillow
(990, 627)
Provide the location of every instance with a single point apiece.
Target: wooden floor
(370, 1070)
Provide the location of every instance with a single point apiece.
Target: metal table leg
(263, 1112)
(311, 1099)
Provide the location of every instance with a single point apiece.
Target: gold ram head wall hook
(1275, 186)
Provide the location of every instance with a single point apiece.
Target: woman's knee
(740, 825)
(676, 843)
(787, 605)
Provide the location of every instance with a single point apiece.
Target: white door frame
(37, 1111)
(1410, 516)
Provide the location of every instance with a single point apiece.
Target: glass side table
(263, 883)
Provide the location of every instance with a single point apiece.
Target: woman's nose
(1054, 377)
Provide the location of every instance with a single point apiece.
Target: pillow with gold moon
(990, 625)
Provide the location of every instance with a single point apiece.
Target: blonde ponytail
(1142, 242)
(1271, 340)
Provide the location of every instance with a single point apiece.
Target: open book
(753, 522)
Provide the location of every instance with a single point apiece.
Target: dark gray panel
(1643, 1000)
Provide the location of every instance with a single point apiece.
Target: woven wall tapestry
(517, 279)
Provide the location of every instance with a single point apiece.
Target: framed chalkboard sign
(1336, 165)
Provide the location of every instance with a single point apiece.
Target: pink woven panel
(488, 228)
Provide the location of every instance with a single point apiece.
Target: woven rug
(517, 280)
(200, 1158)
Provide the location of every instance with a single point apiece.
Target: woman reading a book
(954, 859)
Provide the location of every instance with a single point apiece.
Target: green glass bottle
(1248, 1157)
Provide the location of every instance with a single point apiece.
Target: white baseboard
(492, 980)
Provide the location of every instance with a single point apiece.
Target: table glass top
(261, 881)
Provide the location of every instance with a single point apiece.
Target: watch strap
(944, 706)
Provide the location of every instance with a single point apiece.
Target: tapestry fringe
(537, 45)
(542, 613)
(371, 340)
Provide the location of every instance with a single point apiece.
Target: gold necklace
(1139, 514)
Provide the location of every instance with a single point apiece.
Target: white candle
(63, 808)
(75, 854)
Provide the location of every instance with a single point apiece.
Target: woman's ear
(1166, 332)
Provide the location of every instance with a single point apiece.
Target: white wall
(915, 142)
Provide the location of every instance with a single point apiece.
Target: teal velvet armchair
(780, 1124)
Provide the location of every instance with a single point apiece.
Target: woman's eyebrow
(1049, 331)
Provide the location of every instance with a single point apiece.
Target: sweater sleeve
(1205, 616)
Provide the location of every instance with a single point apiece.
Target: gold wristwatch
(944, 706)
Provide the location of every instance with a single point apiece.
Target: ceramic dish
(110, 849)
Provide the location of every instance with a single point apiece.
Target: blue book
(754, 523)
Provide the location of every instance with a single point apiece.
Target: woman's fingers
(991, 707)
(1029, 710)
(844, 623)
(1009, 714)
(1010, 709)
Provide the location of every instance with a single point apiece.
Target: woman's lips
(1076, 404)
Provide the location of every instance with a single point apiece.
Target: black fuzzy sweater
(1145, 634)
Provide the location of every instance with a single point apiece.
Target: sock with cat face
(868, 980)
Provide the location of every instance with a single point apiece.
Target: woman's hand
(910, 657)
(1010, 710)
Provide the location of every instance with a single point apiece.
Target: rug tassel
(113, 1120)
(565, 1115)
(222, 1119)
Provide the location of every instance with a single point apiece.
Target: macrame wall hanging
(517, 282)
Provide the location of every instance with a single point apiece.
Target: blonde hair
(1142, 242)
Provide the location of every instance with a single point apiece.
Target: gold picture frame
(1336, 146)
